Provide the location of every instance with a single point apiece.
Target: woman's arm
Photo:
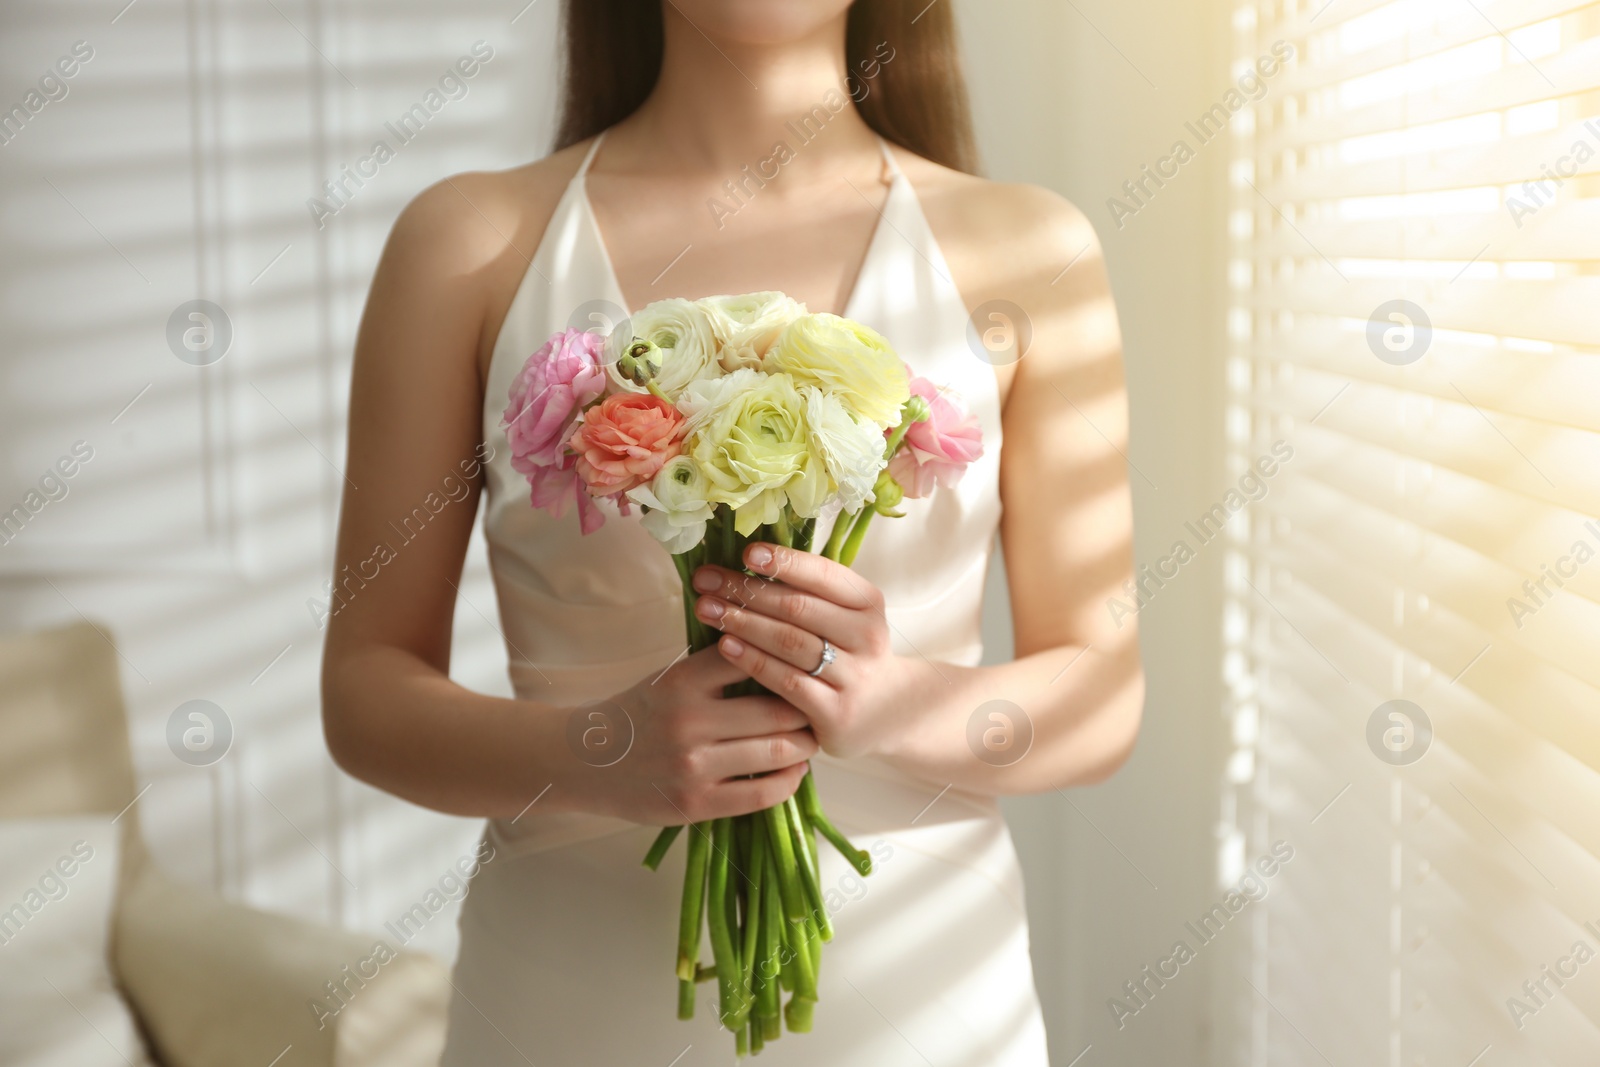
(1066, 533)
(391, 714)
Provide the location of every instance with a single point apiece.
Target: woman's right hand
(693, 751)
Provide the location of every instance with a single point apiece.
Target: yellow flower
(747, 325)
(847, 359)
(748, 436)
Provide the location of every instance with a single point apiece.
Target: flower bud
(640, 361)
(886, 496)
(915, 410)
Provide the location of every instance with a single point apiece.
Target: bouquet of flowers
(726, 421)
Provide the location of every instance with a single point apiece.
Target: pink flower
(556, 486)
(555, 383)
(624, 440)
(936, 451)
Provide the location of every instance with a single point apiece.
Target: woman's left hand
(774, 626)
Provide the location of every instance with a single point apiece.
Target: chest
(695, 238)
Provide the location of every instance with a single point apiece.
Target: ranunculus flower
(677, 506)
(746, 326)
(748, 435)
(849, 446)
(846, 358)
(556, 381)
(936, 450)
(624, 440)
(682, 332)
(555, 486)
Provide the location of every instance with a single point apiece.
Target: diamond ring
(828, 656)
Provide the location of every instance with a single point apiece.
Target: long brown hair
(917, 99)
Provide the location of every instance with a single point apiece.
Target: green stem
(658, 850)
(754, 887)
(811, 805)
(841, 527)
(772, 955)
(694, 882)
(852, 544)
(685, 999)
(730, 537)
(723, 954)
(807, 532)
(696, 632)
(792, 895)
(806, 852)
(897, 435)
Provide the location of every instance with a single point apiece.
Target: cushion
(59, 1006)
(66, 740)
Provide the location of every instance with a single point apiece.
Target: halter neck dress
(567, 941)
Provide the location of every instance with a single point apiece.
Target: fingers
(814, 574)
(705, 672)
(744, 795)
(752, 716)
(795, 646)
(759, 755)
(725, 593)
(811, 695)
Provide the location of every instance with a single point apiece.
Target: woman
(670, 182)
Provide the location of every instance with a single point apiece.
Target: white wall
(179, 166)
(1076, 96)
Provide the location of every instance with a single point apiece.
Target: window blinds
(1412, 627)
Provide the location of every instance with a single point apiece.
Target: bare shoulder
(475, 217)
(471, 237)
(1027, 246)
(1003, 240)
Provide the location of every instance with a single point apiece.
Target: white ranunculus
(746, 326)
(847, 359)
(747, 434)
(678, 508)
(850, 447)
(681, 330)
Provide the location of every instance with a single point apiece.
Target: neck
(720, 104)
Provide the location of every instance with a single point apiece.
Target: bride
(821, 148)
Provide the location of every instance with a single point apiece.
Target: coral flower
(624, 440)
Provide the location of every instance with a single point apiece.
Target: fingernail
(732, 646)
(759, 557)
(711, 609)
(706, 580)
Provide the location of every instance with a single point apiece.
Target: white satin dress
(567, 942)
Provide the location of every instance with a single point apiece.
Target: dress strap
(888, 157)
(588, 157)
